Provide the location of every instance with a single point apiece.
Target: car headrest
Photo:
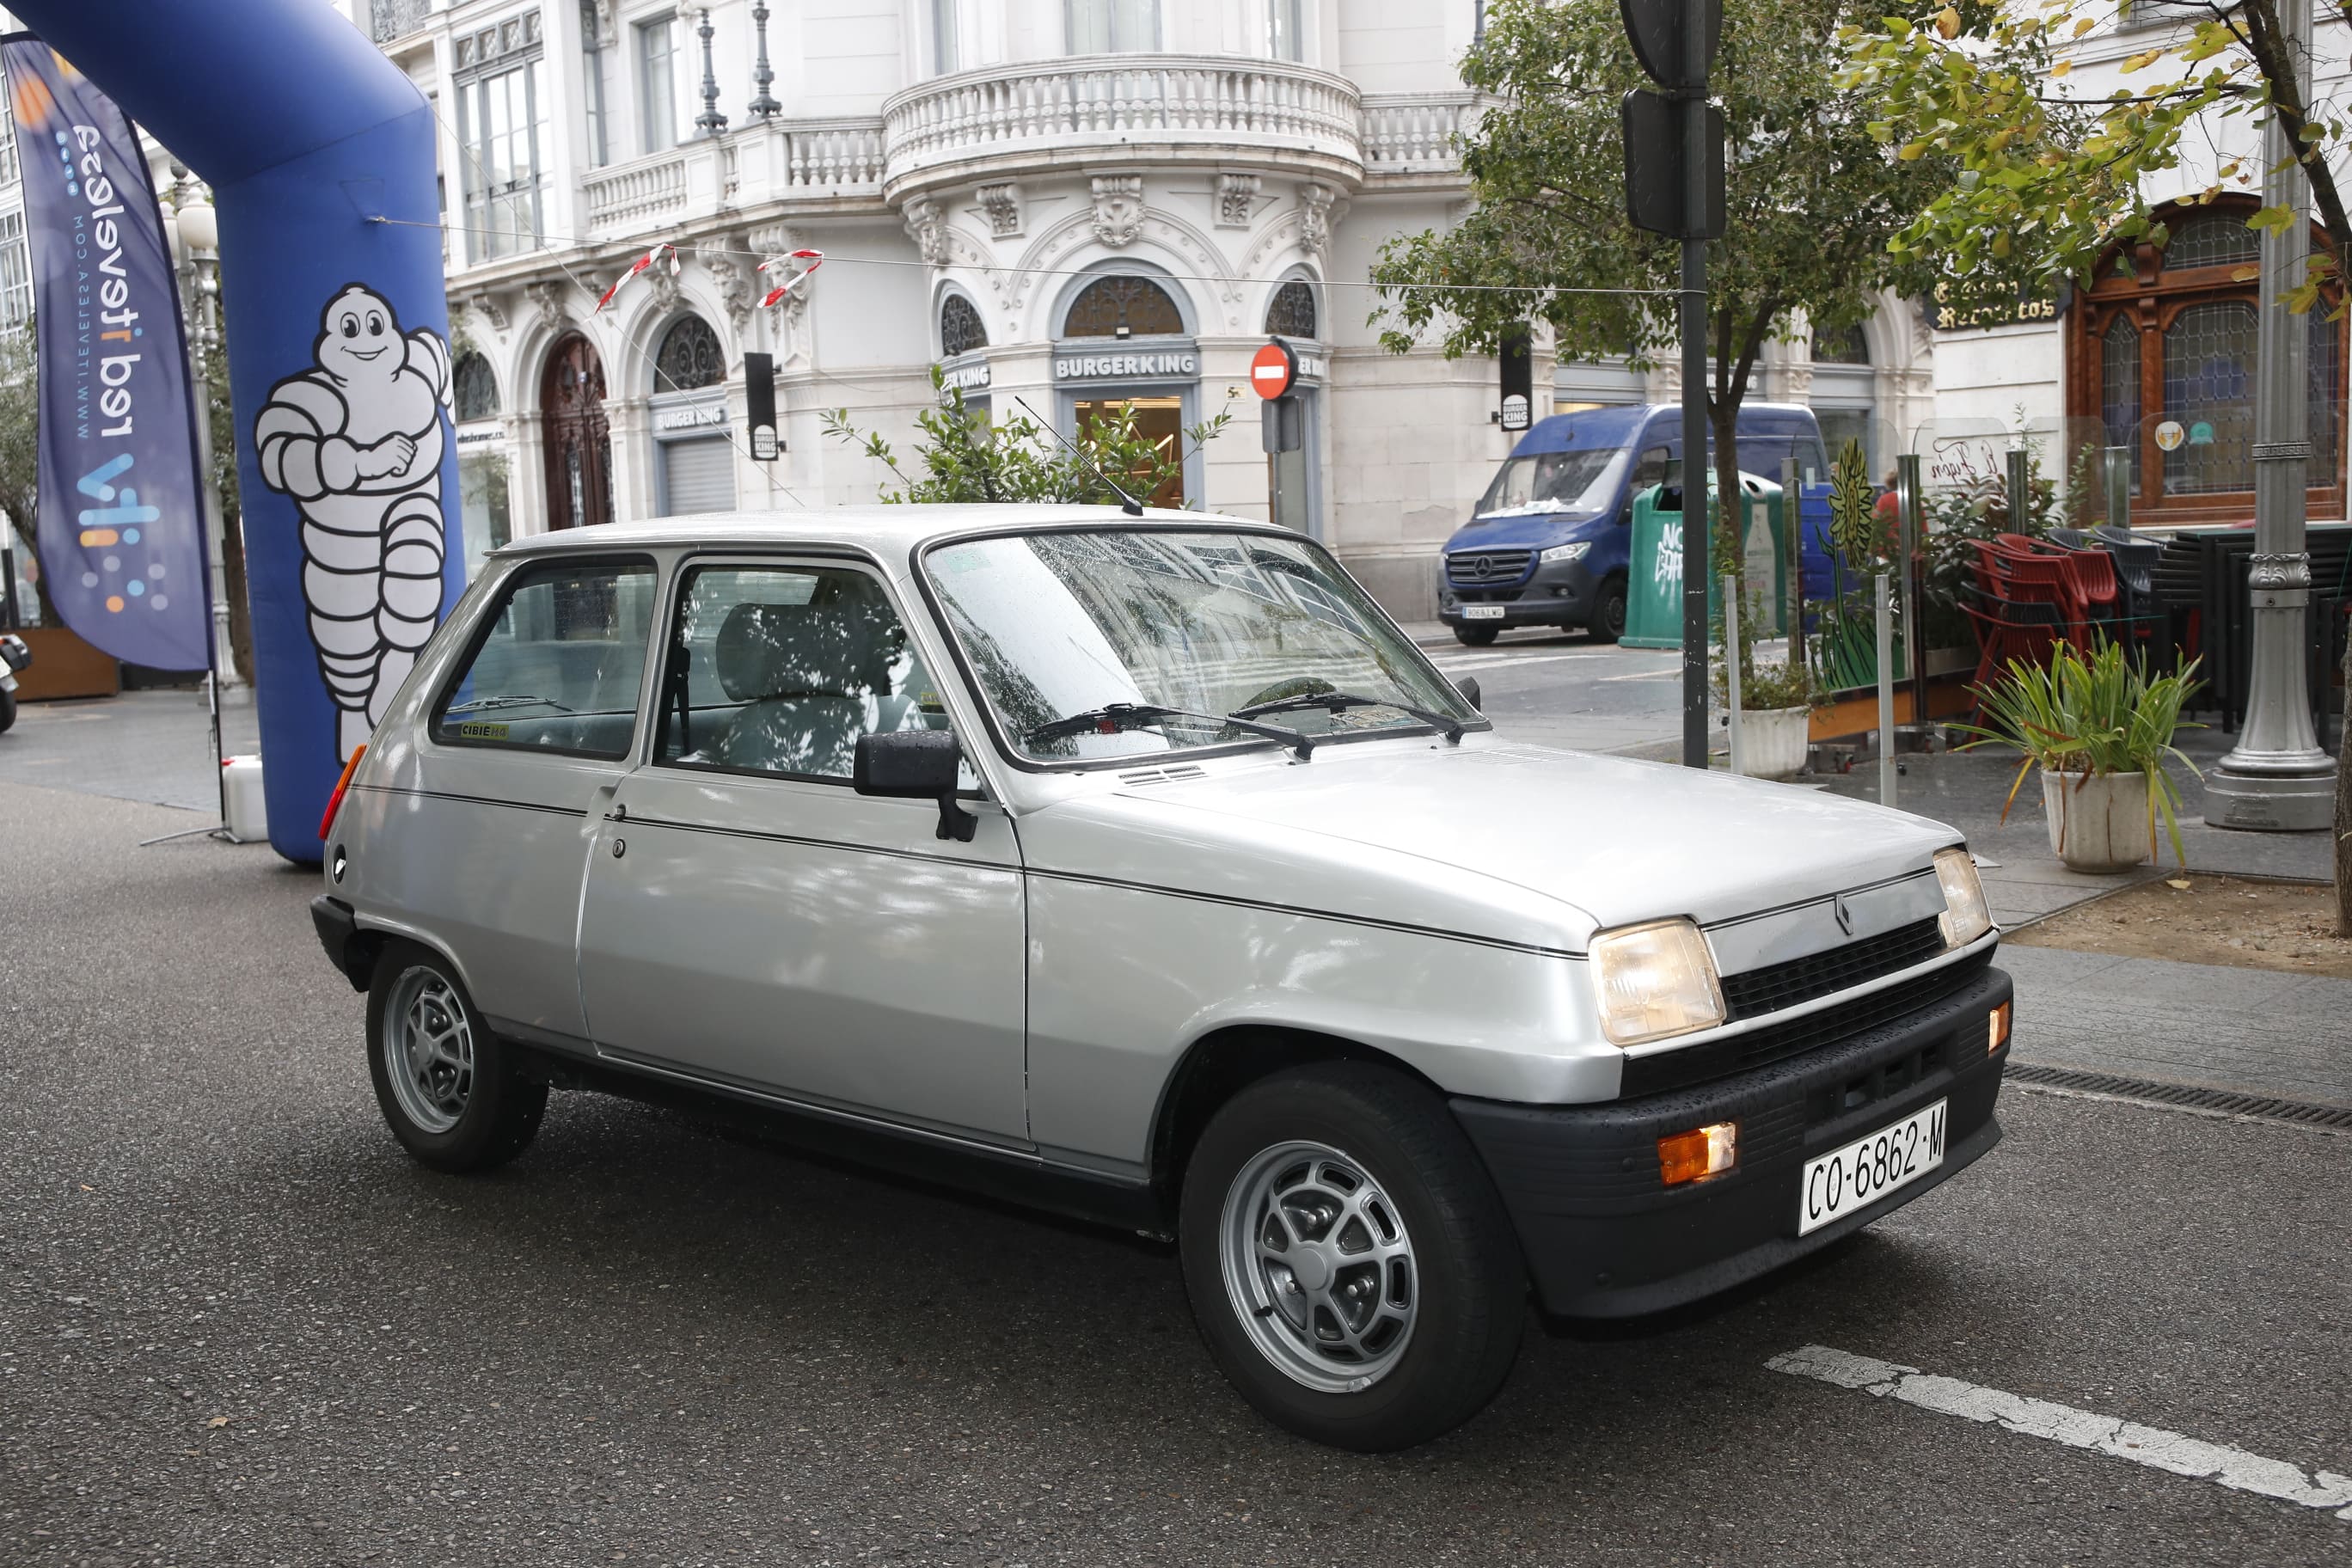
(841, 648)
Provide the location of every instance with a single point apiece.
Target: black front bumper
(1605, 1238)
(1563, 594)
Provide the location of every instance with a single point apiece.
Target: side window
(559, 668)
(779, 669)
(1649, 468)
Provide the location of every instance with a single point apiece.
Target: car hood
(1507, 841)
(1525, 530)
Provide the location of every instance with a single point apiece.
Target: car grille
(1792, 1037)
(1778, 985)
(1473, 567)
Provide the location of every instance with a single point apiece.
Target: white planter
(1773, 740)
(2098, 824)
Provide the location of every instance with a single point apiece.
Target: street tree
(2046, 181)
(1813, 199)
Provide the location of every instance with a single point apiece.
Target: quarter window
(560, 665)
(779, 669)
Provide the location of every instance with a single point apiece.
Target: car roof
(884, 530)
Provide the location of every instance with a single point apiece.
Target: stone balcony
(769, 168)
(1121, 110)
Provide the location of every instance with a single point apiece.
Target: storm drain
(2220, 1102)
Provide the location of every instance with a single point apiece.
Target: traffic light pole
(1698, 560)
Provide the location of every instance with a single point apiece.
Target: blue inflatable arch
(338, 335)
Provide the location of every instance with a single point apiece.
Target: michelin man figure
(355, 441)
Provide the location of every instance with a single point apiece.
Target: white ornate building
(1065, 202)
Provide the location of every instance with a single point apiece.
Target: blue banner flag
(122, 522)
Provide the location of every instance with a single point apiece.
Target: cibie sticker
(2169, 435)
(476, 730)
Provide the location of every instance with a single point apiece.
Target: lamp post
(2277, 777)
(710, 122)
(199, 229)
(764, 106)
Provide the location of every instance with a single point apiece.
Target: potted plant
(1776, 713)
(2100, 728)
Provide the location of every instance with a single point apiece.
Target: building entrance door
(1159, 420)
(579, 442)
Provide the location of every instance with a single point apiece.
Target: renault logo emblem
(1844, 915)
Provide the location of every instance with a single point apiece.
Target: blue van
(1547, 546)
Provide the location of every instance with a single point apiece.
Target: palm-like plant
(2092, 716)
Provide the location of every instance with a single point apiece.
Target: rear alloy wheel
(1476, 637)
(1348, 1261)
(445, 1084)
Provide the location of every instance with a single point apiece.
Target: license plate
(1482, 612)
(1867, 1170)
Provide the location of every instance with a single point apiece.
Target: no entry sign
(1273, 369)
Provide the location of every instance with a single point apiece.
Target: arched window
(474, 388)
(1291, 313)
(1841, 345)
(1122, 308)
(689, 356)
(2162, 350)
(961, 330)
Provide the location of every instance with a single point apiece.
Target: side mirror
(914, 765)
(1468, 686)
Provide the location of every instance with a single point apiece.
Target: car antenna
(1127, 503)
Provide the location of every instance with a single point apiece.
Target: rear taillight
(335, 801)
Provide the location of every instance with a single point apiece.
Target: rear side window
(560, 666)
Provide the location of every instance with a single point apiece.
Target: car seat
(811, 678)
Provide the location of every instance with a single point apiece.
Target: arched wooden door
(579, 442)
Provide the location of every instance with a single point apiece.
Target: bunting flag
(815, 258)
(665, 250)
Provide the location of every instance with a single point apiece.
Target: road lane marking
(1648, 675)
(2109, 1434)
(1485, 661)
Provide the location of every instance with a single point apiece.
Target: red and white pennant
(664, 250)
(815, 258)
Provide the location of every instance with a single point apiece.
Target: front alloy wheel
(1318, 1267)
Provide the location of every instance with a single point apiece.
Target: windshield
(1583, 481)
(1054, 625)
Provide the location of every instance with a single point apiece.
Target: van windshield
(1584, 481)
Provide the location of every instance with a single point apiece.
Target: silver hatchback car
(1142, 869)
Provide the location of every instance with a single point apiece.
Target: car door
(749, 918)
(515, 757)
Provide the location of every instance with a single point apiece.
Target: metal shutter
(697, 476)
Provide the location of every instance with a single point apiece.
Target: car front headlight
(1654, 979)
(1966, 915)
(1560, 553)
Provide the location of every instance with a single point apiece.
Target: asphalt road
(237, 1325)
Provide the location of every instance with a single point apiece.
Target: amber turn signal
(1701, 1153)
(1997, 1028)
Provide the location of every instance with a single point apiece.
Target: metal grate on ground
(2224, 1103)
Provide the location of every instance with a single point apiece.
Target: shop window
(961, 330)
(475, 388)
(689, 356)
(1291, 313)
(1841, 345)
(2163, 355)
(1122, 308)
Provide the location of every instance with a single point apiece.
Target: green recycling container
(1654, 599)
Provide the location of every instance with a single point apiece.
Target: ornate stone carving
(772, 239)
(492, 313)
(1002, 203)
(1236, 199)
(1314, 218)
(662, 283)
(1118, 209)
(552, 298)
(731, 275)
(928, 227)
(2265, 571)
(596, 18)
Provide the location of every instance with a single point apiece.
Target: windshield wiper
(482, 705)
(1340, 702)
(1128, 715)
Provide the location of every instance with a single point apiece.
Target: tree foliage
(20, 452)
(1812, 199)
(963, 457)
(2044, 180)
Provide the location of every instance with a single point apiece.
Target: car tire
(447, 1087)
(1476, 637)
(8, 711)
(1432, 1340)
(1608, 622)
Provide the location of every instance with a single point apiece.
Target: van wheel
(1476, 637)
(8, 711)
(446, 1086)
(1608, 622)
(1347, 1259)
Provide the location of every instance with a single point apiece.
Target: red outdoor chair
(2034, 578)
(2008, 629)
